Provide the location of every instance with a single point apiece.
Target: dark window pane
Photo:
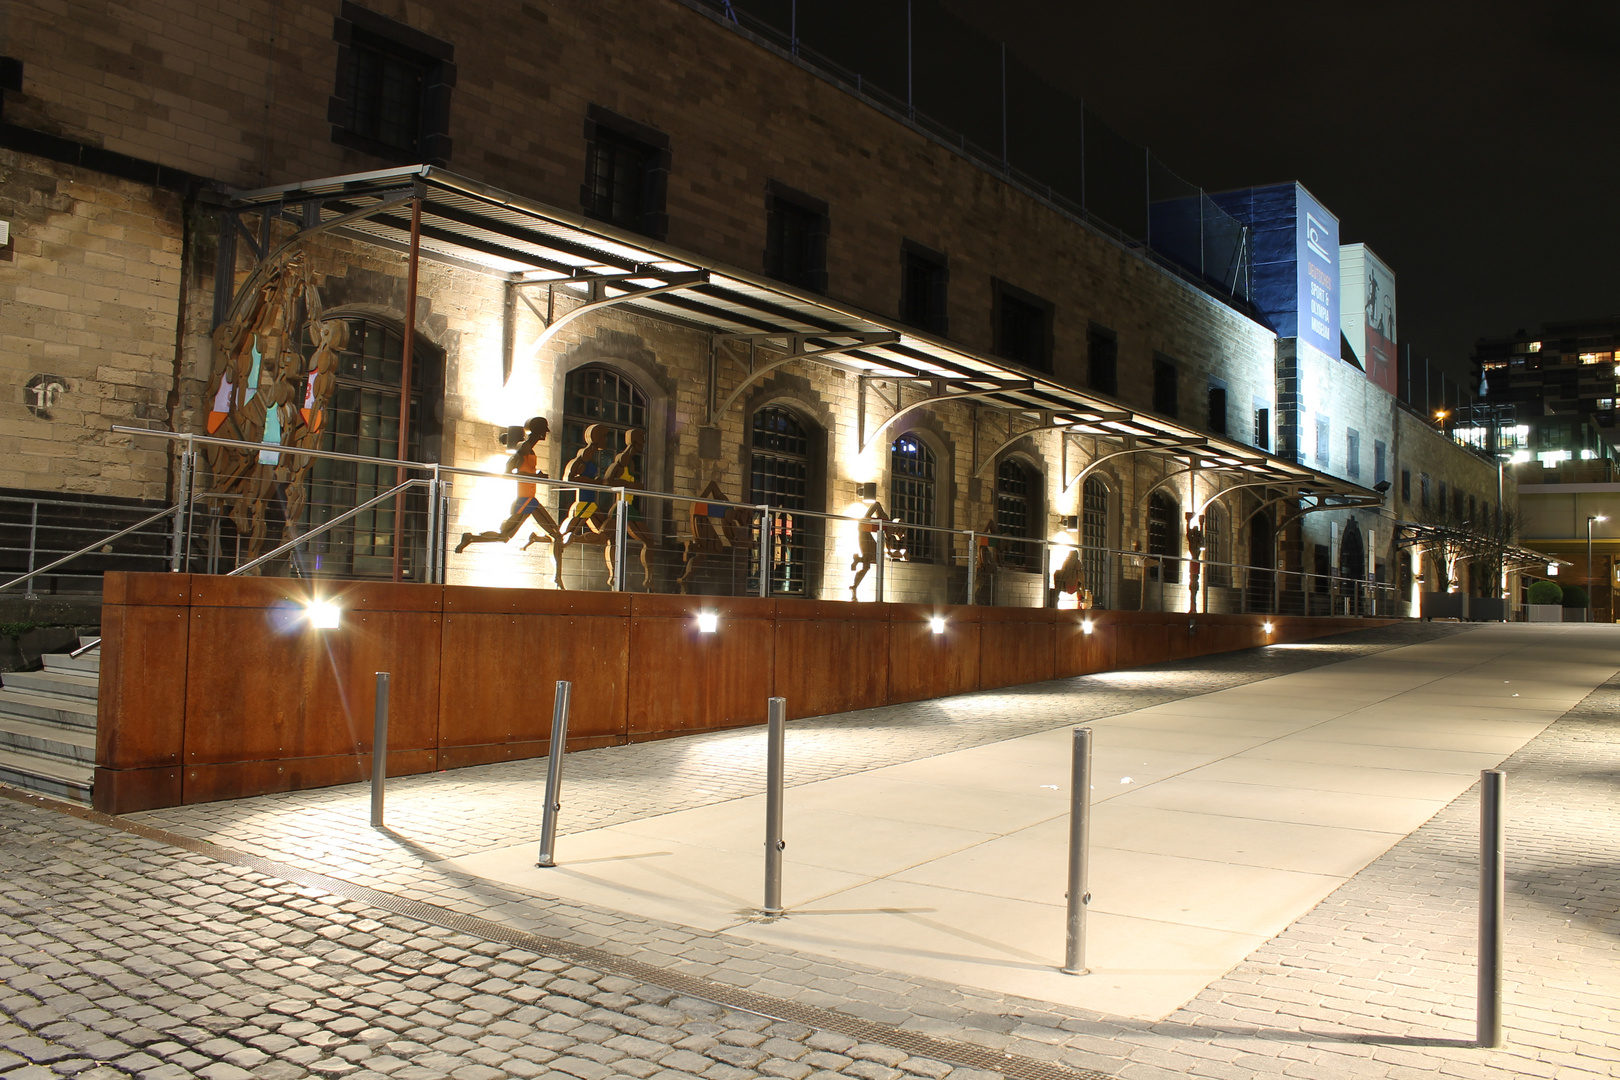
(618, 178)
(362, 417)
(1094, 537)
(384, 92)
(780, 476)
(1016, 501)
(1164, 536)
(1102, 362)
(790, 248)
(1022, 331)
(911, 493)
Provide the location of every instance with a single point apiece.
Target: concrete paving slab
(1231, 813)
(1132, 825)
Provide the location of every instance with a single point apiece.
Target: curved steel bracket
(1178, 444)
(1068, 423)
(1002, 386)
(799, 350)
(672, 283)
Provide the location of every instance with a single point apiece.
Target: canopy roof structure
(532, 246)
(1412, 533)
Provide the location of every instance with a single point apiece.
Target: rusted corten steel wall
(218, 688)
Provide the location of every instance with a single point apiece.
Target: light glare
(324, 615)
(937, 624)
(708, 622)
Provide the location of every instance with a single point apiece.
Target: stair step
(76, 745)
(70, 684)
(43, 709)
(87, 663)
(47, 776)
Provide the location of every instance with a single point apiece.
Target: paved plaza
(1285, 886)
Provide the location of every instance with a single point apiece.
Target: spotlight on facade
(937, 624)
(867, 491)
(1086, 626)
(1070, 522)
(323, 614)
(708, 622)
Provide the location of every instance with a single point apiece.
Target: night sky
(1473, 147)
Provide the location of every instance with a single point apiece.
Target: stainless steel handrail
(325, 525)
(99, 542)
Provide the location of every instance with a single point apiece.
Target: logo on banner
(1315, 235)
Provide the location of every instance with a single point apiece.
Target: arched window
(362, 417)
(912, 482)
(780, 467)
(1094, 538)
(599, 395)
(1164, 536)
(1018, 508)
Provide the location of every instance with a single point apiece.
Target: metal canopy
(526, 243)
(1412, 533)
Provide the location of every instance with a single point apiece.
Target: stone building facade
(132, 132)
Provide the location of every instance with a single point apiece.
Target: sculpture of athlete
(523, 462)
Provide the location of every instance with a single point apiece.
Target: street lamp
(1589, 580)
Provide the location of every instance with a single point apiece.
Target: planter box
(1487, 609)
(1441, 605)
(1543, 613)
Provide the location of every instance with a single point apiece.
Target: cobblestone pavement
(100, 945)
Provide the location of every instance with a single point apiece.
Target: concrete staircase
(48, 726)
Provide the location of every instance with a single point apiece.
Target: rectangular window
(1102, 360)
(1023, 326)
(796, 228)
(392, 93)
(1165, 386)
(923, 280)
(626, 173)
(1262, 427)
(1406, 485)
(1217, 406)
(1352, 454)
(1323, 456)
(1457, 505)
(1380, 461)
(1440, 504)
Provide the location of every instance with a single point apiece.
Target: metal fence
(918, 61)
(467, 526)
(38, 531)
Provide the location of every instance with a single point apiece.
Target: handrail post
(1046, 574)
(774, 772)
(182, 502)
(621, 516)
(1492, 881)
(432, 574)
(33, 541)
(1074, 953)
(764, 550)
(973, 567)
(554, 756)
(882, 557)
(379, 750)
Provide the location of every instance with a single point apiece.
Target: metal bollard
(379, 751)
(559, 740)
(1492, 879)
(774, 844)
(1074, 954)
